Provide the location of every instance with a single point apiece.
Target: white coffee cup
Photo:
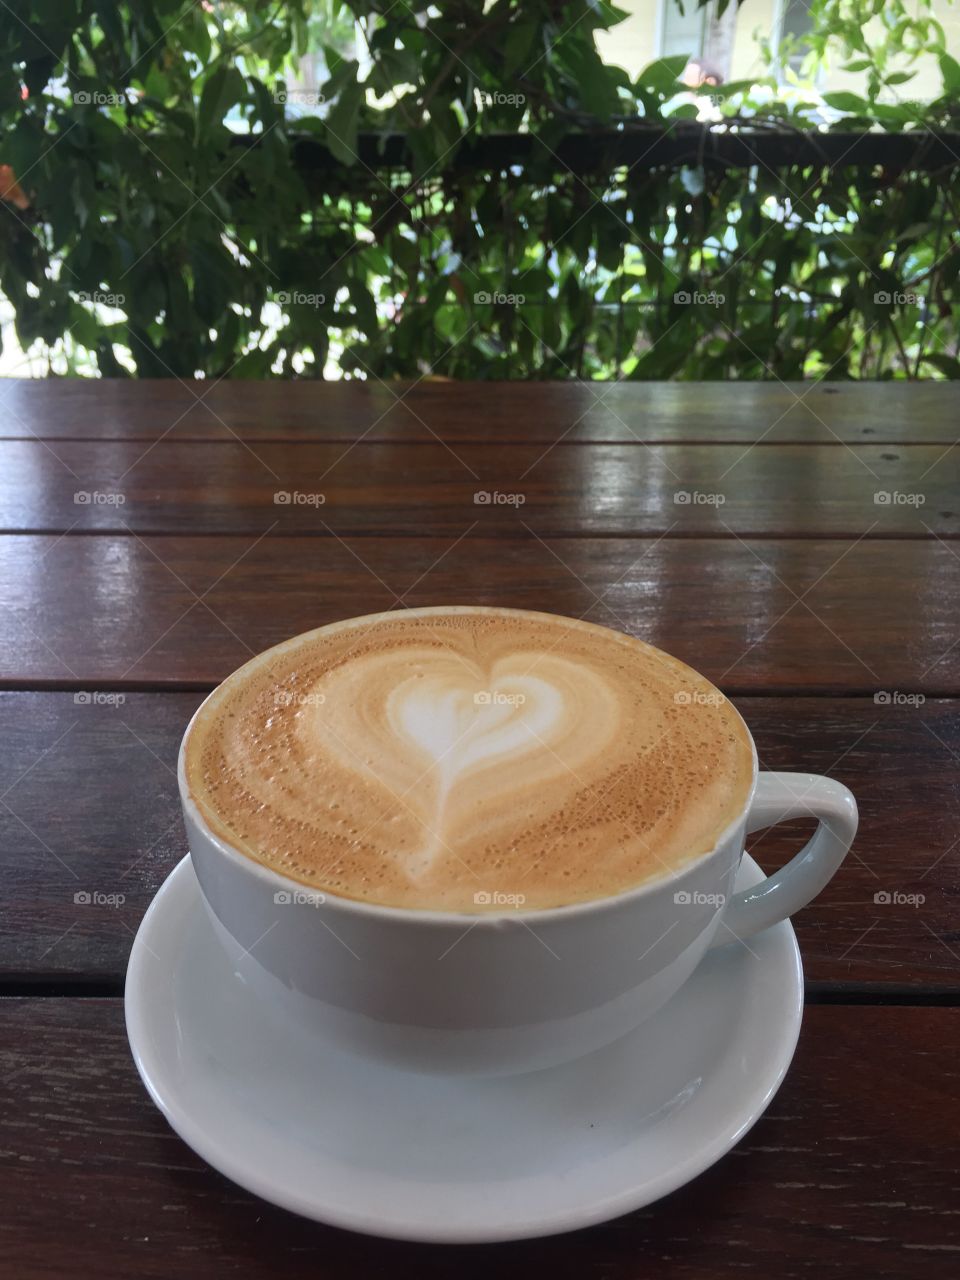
(514, 991)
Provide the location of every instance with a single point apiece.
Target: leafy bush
(183, 208)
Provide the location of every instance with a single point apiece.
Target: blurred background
(518, 189)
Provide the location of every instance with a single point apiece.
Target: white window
(793, 24)
(681, 33)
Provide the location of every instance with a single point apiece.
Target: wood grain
(836, 1178)
(435, 489)
(574, 412)
(115, 830)
(751, 614)
(797, 591)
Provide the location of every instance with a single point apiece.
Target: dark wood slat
(870, 615)
(615, 490)
(731, 412)
(115, 830)
(850, 1172)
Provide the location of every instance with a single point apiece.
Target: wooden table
(828, 611)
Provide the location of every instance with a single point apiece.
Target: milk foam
(452, 760)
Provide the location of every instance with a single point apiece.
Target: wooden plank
(828, 616)
(433, 489)
(848, 1173)
(729, 412)
(114, 830)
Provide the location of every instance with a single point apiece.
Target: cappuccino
(469, 760)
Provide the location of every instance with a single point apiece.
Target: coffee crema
(468, 759)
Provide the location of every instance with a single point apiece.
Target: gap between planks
(815, 993)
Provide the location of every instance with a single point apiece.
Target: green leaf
(518, 47)
(949, 365)
(731, 88)
(225, 88)
(38, 71)
(847, 102)
(663, 75)
(366, 309)
(342, 123)
(896, 114)
(24, 145)
(196, 36)
(594, 88)
(950, 70)
(684, 111)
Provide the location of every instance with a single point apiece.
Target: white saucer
(391, 1153)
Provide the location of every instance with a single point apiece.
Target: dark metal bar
(650, 147)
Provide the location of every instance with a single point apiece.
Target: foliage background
(182, 210)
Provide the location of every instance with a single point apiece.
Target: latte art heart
(459, 726)
(439, 758)
(450, 743)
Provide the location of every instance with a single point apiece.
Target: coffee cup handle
(777, 798)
